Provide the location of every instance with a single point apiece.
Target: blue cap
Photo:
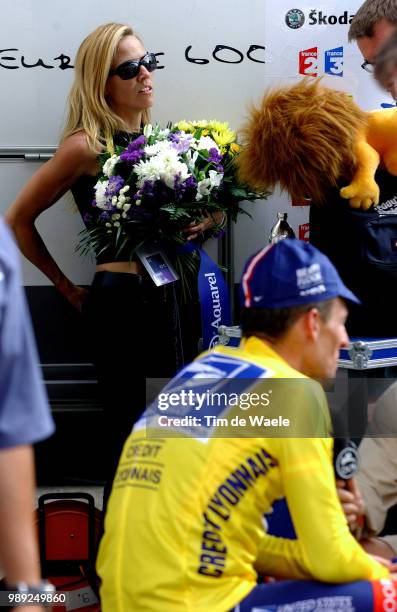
(290, 273)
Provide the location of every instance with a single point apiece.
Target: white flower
(168, 156)
(148, 130)
(191, 159)
(206, 142)
(100, 196)
(171, 167)
(215, 178)
(124, 189)
(203, 189)
(157, 147)
(147, 171)
(205, 186)
(164, 165)
(109, 165)
(115, 217)
(179, 169)
(163, 133)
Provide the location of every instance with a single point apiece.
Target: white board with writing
(216, 57)
(211, 55)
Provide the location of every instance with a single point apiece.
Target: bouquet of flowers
(164, 180)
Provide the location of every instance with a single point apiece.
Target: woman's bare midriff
(130, 267)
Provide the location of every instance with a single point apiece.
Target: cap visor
(346, 294)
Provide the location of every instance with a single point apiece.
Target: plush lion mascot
(310, 138)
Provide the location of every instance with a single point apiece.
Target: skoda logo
(346, 464)
(295, 19)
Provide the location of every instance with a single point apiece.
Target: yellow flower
(218, 126)
(234, 147)
(203, 123)
(224, 137)
(185, 126)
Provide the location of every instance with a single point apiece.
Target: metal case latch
(223, 337)
(360, 354)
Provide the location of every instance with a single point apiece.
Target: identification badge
(157, 264)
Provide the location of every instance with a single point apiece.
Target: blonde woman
(131, 322)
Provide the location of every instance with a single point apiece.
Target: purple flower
(181, 188)
(215, 158)
(145, 190)
(132, 156)
(104, 216)
(190, 182)
(134, 152)
(182, 145)
(174, 136)
(138, 142)
(114, 185)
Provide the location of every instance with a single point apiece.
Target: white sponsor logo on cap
(310, 280)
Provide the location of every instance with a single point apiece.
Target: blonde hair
(88, 108)
(302, 137)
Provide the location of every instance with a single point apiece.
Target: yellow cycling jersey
(185, 528)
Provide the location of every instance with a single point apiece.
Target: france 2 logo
(304, 232)
(333, 62)
(308, 62)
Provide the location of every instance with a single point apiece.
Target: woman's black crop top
(83, 193)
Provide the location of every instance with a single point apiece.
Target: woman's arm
(47, 185)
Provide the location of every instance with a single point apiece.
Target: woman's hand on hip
(75, 295)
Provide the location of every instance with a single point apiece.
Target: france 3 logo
(333, 62)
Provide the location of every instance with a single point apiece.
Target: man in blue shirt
(24, 419)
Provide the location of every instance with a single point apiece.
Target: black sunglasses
(368, 66)
(130, 69)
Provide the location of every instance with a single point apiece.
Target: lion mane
(301, 137)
